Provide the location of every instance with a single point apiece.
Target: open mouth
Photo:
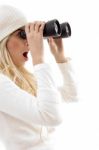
(25, 54)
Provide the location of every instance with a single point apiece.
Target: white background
(80, 129)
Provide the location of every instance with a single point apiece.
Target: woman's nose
(26, 43)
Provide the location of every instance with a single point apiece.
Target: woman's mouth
(25, 54)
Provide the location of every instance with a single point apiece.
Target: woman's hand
(34, 33)
(57, 49)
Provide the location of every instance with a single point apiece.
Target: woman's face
(18, 48)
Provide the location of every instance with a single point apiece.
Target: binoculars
(54, 29)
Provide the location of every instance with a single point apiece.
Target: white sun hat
(11, 19)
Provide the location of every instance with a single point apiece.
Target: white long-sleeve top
(26, 121)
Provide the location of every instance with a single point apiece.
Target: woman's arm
(68, 89)
(41, 110)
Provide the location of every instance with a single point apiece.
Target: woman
(29, 103)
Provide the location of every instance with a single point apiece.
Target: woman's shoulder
(6, 82)
(3, 77)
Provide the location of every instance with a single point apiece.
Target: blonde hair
(19, 75)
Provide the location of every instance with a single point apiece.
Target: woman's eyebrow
(18, 30)
(22, 28)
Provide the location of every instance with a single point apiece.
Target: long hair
(19, 75)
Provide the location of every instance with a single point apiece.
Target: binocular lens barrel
(52, 28)
(65, 30)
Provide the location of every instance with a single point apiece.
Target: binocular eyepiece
(54, 29)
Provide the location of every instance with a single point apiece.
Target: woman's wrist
(61, 60)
